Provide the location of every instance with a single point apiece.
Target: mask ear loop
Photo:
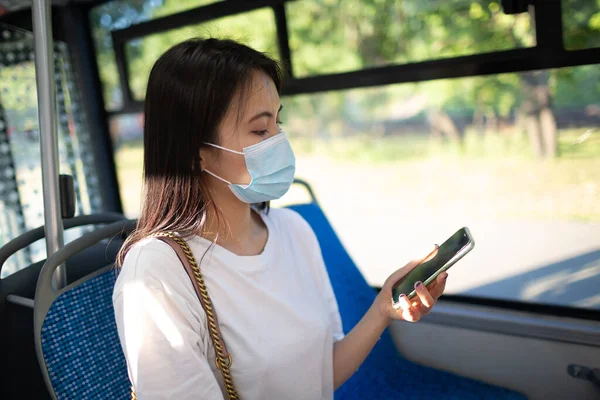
(217, 176)
(224, 148)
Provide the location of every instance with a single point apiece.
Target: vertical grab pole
(46, 92)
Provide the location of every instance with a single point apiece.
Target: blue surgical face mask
(271, 165)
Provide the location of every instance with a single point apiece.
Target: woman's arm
(350, 352)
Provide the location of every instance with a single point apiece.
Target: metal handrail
(29, 237)
(308, 188)
(46, 94)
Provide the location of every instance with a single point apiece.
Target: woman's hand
(420, 305)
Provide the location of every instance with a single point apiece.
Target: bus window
(127, 131)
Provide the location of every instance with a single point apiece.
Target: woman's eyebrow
(264, 114)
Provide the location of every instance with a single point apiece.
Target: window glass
(120, 14)
(514, 157)
(256, 29)
(127, 135)
(162, 8)
(581, 23)
(339, 36)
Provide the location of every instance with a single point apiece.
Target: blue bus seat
(75, 331)
(385, 374)
(80, 343)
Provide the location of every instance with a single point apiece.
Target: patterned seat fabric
(81, 346)
(385, 374)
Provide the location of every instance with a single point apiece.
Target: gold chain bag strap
(223, 358)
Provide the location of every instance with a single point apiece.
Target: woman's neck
(236, 228)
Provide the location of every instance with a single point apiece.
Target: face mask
(271, 165)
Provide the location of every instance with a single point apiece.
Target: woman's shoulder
(150, 262)
(152, 281)
(147, 254)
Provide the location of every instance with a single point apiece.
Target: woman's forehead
(258, 96)
(262, 95)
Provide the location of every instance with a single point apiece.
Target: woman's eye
(265, 131)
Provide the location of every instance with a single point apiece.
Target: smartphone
(434, 264)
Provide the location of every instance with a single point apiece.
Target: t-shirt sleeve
(164, 341)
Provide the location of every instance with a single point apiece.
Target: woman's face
(249, 121)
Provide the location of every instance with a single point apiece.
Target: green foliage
(577, 87)
(336, 36)
(581, 22)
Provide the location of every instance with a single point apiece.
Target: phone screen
(432, 264)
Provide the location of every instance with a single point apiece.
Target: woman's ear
(202, 161)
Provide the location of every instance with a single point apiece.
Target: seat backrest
(17, 348)
(75, 331)
(17, 291)
(80, 344)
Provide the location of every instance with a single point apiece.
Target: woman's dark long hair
(190, 89)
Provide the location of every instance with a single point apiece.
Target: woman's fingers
(426, 298)
(404, 303)
(438, 286)
(409, 313)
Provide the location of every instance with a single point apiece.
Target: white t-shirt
(277, 312)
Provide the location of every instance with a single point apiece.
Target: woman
(214, 156)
